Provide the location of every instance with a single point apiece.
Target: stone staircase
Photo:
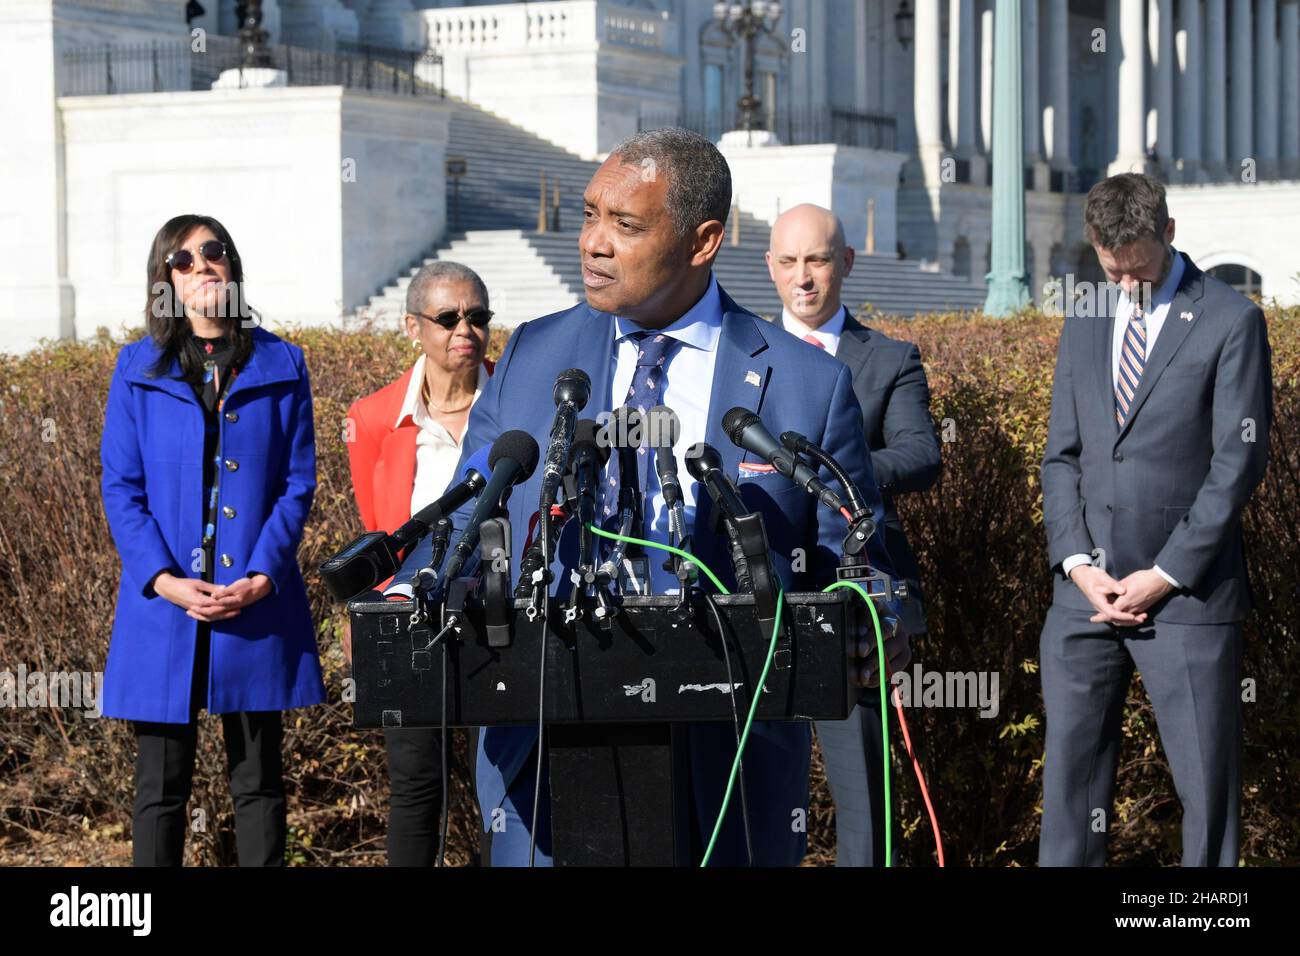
(530, 274)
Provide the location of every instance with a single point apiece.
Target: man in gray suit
(1158, 436)
(808, 260)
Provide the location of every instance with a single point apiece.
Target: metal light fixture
(903, 24)
(747, 22)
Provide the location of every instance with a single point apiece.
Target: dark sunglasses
(182, 260)
(479, 318)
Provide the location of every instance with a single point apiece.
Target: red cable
(916, 766)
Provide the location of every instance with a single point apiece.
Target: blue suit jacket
(790, 386)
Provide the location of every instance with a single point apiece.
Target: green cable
(884, 712)
(744, 737)
(662, 547)
(771, 652)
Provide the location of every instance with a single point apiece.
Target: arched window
(1242, 278)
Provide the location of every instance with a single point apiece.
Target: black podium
(619, 694)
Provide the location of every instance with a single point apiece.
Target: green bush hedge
(978, 536)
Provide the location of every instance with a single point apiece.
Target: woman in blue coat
(209, 467)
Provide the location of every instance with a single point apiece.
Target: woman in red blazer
(403, 449)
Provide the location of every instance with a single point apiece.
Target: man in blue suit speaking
(656, 324)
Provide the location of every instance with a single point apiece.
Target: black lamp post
(252, 38)
(903, 24)
(748, 22)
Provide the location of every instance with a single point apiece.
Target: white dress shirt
(436, 452)
(828, 335)
(1161, 300)
(688, 384)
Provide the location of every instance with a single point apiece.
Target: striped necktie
(1132, 358)
(645, 392)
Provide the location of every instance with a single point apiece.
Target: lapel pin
(1186, 315)
(751, 378)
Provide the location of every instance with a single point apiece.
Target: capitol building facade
(377, 133)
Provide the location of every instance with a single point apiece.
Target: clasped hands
(898, 650)
(1121, 603)
(205, 601)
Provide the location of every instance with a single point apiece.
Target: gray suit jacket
(1168, 488)
(890, 385)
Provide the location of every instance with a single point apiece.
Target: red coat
(382, 458)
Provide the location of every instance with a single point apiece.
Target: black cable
(541, 696)
(446, 808)
(735, 717)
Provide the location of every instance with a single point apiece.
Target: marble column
(1241, 143)
(1290, 98)
(1191, 80)
(1266, 87)
(1216, 87)
(926, 89)
(962, 81)
(1160, 36)
(1058, 87)
(1130, 153)
(1033, 100)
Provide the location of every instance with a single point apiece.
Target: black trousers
(415, 798)
(164, 774)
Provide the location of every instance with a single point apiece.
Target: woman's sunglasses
(479, 318)
(182, 260)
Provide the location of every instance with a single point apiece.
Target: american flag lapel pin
(751, 378)
(1186, 316)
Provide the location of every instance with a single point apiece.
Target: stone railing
(557, 25)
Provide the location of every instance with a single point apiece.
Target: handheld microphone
(746, 430)
(624, 433)
(745, 530)
(587, 460)
(665, 430)
(705, 465)
(513, 461)
(473, 479)
(376, 556)
(572, 390)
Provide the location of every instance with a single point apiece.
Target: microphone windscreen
(736, 421)
(478, 462)
(586, 435)
(520, 446)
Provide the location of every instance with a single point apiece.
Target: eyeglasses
(182, 260)
(479, 318)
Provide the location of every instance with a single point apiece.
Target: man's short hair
(1124, 209)
(433, 273)
(699, 180)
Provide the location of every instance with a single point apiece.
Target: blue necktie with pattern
(646, 391)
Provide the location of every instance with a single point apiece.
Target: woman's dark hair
(164, 313)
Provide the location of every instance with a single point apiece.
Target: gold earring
(415, 343)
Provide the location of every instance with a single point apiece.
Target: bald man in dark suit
(808, 260)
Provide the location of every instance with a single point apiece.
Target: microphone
(665, 430)
(587, 459)
(376, 556)
(513, 461)
(473, 478)
(626, 437)
(705, 465)
(572, 390)
(745, 530)
(746, 430)
(802, 446)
